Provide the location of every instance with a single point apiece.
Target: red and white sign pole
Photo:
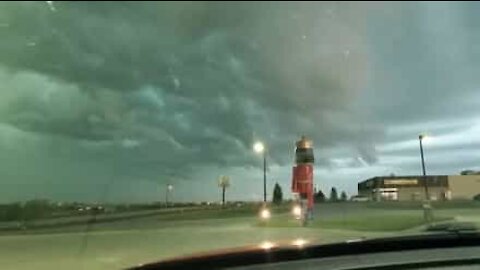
(302, 177)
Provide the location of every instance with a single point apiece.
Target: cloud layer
(159, 91)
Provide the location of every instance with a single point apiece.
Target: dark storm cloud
(158, 90)
(199, 81)
(34, 102)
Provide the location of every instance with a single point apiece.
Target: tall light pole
(427, 207)
(420, 139)
(258, 147)
(167, 192)
(223, 183)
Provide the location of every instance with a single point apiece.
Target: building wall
(409, 188)
(365, 193)
(464, 186)
(418, 193)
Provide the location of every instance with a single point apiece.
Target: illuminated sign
(401, 182)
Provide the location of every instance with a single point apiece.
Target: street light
(259, 148)
(422, 137)
(427, 208)
(265, 214)
(167, 192)
(297, 211)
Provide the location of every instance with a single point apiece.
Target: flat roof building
(412, 187)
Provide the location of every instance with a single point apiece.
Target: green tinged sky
(111, 101)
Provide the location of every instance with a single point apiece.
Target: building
(412, 188)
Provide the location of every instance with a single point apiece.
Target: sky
(113, 101)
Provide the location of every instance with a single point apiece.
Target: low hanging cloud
(206, 78)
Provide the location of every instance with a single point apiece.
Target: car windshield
(133, 132)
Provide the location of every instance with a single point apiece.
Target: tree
(277, 194)
(319, 196)
(343, 196)
(35, 209)
(13, 212)
(223, 183)
(333, 195)
(469, 172)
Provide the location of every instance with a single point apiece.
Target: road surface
(125, 243)
(130, 242)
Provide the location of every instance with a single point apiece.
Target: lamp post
(167, 192)
(420, 139)
(223, 183)
(259, 148)
(427, 207)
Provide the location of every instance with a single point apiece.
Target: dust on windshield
(135, 132)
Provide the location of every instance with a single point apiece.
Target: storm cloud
(157, 91)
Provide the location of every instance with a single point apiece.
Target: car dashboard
(465, 258)
(440, 251)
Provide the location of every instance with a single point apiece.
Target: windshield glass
(135, 132)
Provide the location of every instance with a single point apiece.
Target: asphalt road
(130, 242)
(124, 243)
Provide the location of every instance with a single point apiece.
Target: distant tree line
(320, 196)
(469, 172)
(42, 208)
(27, 211)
